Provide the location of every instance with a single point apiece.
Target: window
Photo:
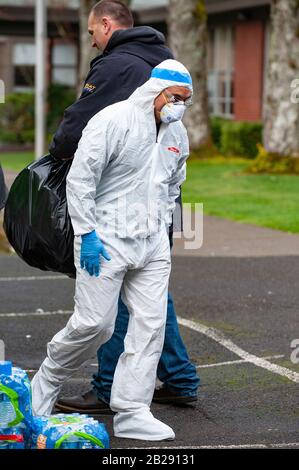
(24, 66)
(64, 60)
(220, 71)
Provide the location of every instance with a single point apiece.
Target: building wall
(249, 69)
(5, 63)
(61, 60)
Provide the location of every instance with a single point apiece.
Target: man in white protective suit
(121, 192)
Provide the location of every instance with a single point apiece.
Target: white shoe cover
(142, 425)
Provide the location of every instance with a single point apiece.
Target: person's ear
(106, 24)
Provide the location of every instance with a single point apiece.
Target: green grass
(226, 191)
(16, 161)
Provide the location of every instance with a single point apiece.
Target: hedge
(17, 114)
(236, 138)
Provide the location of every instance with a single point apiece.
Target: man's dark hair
(118, 11)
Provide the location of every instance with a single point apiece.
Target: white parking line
(240, 361)
(33, 278)
(212, 333)
(217, 364)
(233, 446)
(69, 380)
(39, 313)
(228, 344)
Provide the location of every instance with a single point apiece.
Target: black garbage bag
(36, 219)
(3, 190)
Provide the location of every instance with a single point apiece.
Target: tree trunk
(87, 53)
(281, 113)
(187, 27)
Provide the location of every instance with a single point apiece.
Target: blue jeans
(174, 369)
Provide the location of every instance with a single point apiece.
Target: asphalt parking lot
(237, 300)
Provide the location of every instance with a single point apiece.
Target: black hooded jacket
(126, 64)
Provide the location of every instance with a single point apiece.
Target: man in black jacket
(128, 57)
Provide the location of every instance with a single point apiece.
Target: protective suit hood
(167, 74)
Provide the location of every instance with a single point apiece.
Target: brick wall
(249, 66)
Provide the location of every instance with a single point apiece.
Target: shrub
(216, 124)
(268, 162)
(17, 119)
(17, 114)
(241, 139)
(236, 138)
(59, 98)
(208, 150)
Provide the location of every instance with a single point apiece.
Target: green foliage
(236, 138)
(216, 124)
(241, 138)
(59, 98)
(227, 190)
(17, 114)
(268, 162)
(208, 150)
(17, 119)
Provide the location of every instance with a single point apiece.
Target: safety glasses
(175, 99)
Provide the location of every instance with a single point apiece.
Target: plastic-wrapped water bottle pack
(69, 431)
(19, 429)
(15, 396)
(15, 407)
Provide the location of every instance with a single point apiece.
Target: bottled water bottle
(70, 443)
(75, 442)
(4, 445)
(7, 411)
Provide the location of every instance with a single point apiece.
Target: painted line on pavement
(218, 364)
(219, 337)
(200, 328)
(40, 313)
(227, 363)
(33, 278)
(69, 380)
(233, 446)
(240, 361)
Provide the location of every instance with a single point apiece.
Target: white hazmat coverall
(123, 183)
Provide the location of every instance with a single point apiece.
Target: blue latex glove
(91, 249)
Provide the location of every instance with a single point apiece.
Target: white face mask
(172, 112)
